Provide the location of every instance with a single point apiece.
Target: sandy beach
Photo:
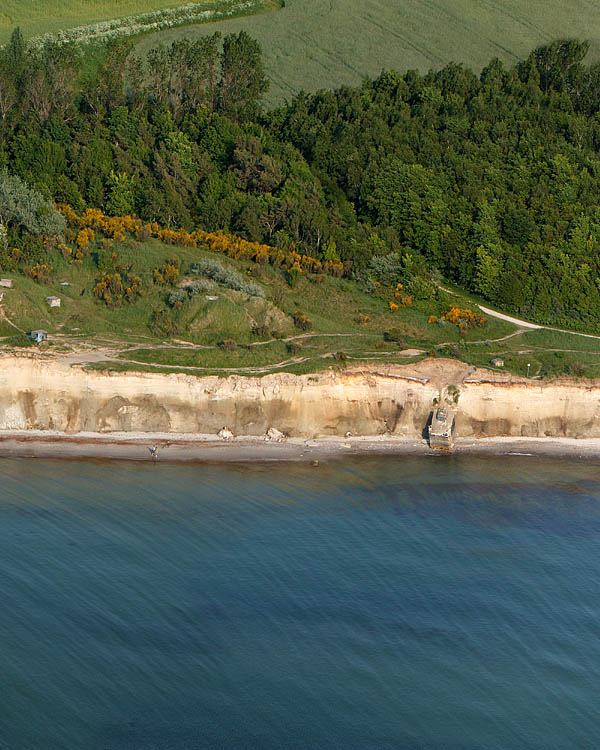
(186, 447)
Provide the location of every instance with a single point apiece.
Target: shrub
(453, 393)
(168, 273)
(395, 335)
(463, 318)
(84, 237)
(421, 288)
(21, 339)
(118, 287)
(23, 207)
(227, 277)
(177, 298)
(293, 347)
(366, 283)
(577, 369)
(302, 321)
(162, 323)
(293, 274)
(403, 300)
(386, 269)
(228, 345)
(278, 296)
(202, 286)
(40, 272)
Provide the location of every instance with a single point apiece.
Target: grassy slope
(312, 44)
(333, 305)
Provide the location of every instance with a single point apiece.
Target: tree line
(488, 180)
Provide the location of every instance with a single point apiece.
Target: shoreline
(198, 448)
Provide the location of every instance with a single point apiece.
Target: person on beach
(154, 452)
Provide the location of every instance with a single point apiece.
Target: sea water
(433, 602)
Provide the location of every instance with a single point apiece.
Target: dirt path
(509, 318)
(526, 324)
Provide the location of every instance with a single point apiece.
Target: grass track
(312, 44)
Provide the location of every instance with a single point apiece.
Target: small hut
(39, 335)
(53, 301)
(498, 362)
(441, 429)
(6, 282)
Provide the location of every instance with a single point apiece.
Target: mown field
(312, 44)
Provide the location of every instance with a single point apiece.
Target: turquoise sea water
(376, 603)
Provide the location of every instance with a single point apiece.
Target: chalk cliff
(40, 394)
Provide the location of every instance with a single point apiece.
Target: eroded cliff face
(38, 394)
(528, 410)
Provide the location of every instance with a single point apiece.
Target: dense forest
(489, 181)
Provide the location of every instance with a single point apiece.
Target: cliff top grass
(201, 312)
(204, 325)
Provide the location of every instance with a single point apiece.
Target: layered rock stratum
(39, 394)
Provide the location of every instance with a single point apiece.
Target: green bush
(23, 207)
(227, 277)
(228, 345)
(177, 298)
(302, 321)
(396, 336)
(163, 323)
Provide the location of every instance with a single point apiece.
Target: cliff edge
(368, 400)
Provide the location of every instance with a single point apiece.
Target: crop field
(312, 44)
